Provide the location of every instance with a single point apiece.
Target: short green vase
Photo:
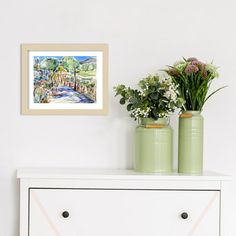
(190, 153)
(153, 146)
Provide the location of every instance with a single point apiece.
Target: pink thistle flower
(199, 64)
(191, 69)
(201, 67)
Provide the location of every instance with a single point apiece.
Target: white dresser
(77, 202)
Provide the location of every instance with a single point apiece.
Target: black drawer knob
(184, 215)
(65, 214)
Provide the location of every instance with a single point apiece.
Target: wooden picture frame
(64, 79)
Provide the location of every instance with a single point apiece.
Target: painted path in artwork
(66, 94)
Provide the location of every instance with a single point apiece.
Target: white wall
(143, 36)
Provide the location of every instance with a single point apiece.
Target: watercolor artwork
(64, 81)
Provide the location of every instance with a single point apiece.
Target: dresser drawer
(117, 212)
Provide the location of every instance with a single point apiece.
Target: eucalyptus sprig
(156, 98)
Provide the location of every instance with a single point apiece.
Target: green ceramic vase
(153, 151)
(190, 153)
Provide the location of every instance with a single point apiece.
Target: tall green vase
(190, 153)
(153, 146)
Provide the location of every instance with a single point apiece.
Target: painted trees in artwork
(51, 65)
(72, 65)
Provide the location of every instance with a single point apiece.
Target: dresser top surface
(119, 174)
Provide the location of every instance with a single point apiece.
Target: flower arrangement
(156, 98)
(193, 79)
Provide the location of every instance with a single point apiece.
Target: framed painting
(64, 79)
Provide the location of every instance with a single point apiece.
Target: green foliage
(87, 73)
(49, 64)
(193, 79)
(156, 98)
(70, 64)
(88, 67)
(91, 67)
(84, 67)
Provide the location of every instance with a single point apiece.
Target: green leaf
(154, 96)
(155, 114)
(129, 107)
(134, 100)
(122, 101)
